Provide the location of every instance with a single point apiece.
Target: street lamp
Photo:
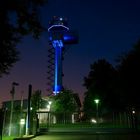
(97, 109)
(49, 107)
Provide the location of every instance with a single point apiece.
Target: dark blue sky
(107, 28)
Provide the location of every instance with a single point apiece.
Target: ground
(88, 137)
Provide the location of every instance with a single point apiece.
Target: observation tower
(59, 36)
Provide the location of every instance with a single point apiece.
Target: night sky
(107, 28)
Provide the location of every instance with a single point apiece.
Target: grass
(8, 137)
(91, 126)
(88, 125)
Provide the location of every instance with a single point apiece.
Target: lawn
(8, 137)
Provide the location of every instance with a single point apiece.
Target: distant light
(50, 102)
(96, 101)
(56, 92)
(93, 121)
(61, 18)
(57, 88)
(68, 37)
(22, 121)
(133, 112)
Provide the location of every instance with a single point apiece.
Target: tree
(64, 105)
(64, 102)
(36, 100)
(100, 83)
(18, 18)
(129, 75)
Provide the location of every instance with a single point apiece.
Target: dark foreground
(87, 134)
(88, 137)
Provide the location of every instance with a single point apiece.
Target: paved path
(92, 130)
(88, 137)
(89, 134)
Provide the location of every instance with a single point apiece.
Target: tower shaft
(58, 67)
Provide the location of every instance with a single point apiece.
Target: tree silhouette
(129, 73)
(36, 100)
(100, 83)
(18, 18)
(117, 88)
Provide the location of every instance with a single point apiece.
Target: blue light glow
(68, 38)
(57, 26)
(50, 38)
(57, 89)
(61, 18)
(57, 43)
(56, 71)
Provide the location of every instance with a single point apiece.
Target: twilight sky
(107, 28)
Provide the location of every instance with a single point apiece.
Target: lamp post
(97, 108)
(4, 119)
(28, 110)
(12, 105)
(49, 107)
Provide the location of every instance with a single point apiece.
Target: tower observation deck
(59, 36)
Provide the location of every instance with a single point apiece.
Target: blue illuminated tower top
(58, 29)
(58, 24)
